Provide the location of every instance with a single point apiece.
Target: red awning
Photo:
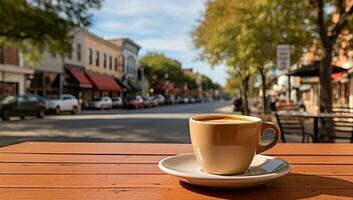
(81, 78)
(337, 76)
(103, 82)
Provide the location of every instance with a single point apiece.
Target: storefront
(13, 80)
(103, 85)
(46, 84)
(77, 84)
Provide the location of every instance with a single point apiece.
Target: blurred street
(161, 124)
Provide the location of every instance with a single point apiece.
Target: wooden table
(129, 171)
(315, 118)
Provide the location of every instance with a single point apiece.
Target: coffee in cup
(226, 144)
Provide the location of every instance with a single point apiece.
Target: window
(110, 62)
(116, 64)
(69, 54)
(131, 65)
(79, 52)
(105, 60)
(67, 97)
(21, 100)
(31, 98)
(126, 64)
(90, 56)
(97, 58)
(121, 62)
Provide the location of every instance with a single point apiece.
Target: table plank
(162, 149)
(83, 159)
(187, 192)
(138, 181)
(140, 169)
(149, 159)
(130, 171)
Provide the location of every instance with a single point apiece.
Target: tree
(318, 22)
(208, 84)
(159, 68)
(330, 25)
(216, 37)
(246, 31)
(34, 25)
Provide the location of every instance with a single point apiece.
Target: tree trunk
(326, 93)
(1, 54)
(263, 79)
(325, 81)
(245, 84)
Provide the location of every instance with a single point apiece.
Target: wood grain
(187, 192)
(137, 181)
(141, 169)
(163, 149)
(129, 171)
(150, 159)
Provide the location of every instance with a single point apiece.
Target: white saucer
(262, 169)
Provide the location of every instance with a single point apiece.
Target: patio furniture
(42, 170)
(343, 129)
(316, 117)
(292, 125)
(342, 109)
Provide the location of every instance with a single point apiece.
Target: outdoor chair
(341, 109)
(342, 129)
(292, 126)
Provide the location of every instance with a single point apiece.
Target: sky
(157, 25)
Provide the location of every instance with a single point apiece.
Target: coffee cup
(226, 144)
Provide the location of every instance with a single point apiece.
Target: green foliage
(246, 32)
(190, 80)
(159, 67)
(208, 84)
(35, 25)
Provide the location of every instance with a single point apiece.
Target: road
(161, 124)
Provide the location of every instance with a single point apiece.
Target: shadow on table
(293, 186)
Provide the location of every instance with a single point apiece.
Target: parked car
(198, 99)
(160, 98)
(192, 100)
(117, 102)
(26, 105)
(65, 103)
(182, 99)
(169, 100)
(154, 101)
(134, 102)
(147, 102)
(102, 103)
(208, 99)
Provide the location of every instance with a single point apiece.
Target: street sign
(283, 56)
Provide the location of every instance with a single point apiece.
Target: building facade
(14, 77)
(92, 69)
(95, 67)
(133, 74)
(48, 75)
(98, 67)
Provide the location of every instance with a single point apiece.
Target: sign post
(283, 56)
(283, 62)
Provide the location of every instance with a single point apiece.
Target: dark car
(198, 99)
(133, 102)
(26, 105)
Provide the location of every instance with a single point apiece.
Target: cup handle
(268, 125)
